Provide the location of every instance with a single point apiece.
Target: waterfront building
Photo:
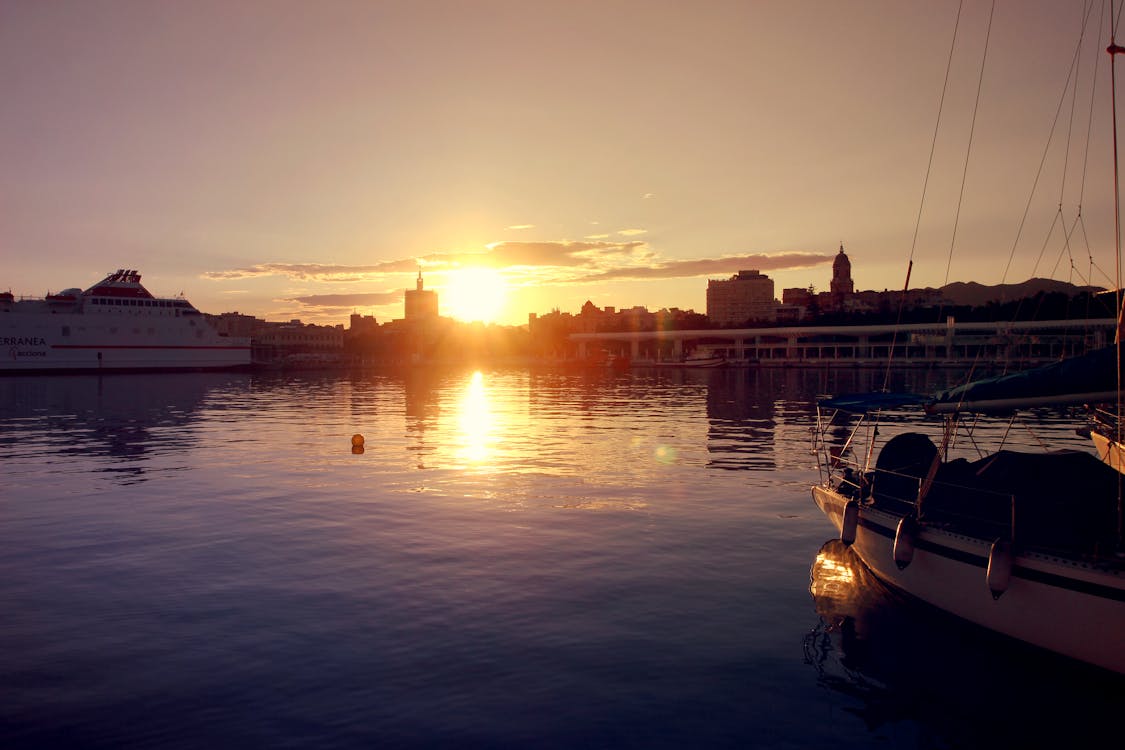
(360, 324)
(234, 324)
(1013, 344)
(746, 296)
(841, 288)
(297, 337)
(295, 341)
(420, 303)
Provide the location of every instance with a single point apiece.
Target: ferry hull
(84, 342)
(1072, 608)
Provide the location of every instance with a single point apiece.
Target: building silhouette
(746, 296)
(841, 288)
(420, 303)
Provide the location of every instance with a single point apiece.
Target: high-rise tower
(420, 304)
(842, 285)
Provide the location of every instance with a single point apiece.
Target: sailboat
(1027, 545)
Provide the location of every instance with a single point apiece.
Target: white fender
(904, 541)
(850, 522)
(999, 573)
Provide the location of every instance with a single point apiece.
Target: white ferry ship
(114, 325)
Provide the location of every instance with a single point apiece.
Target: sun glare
(474, 294)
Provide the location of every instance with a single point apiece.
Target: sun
(474, 294)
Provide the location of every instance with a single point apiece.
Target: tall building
(420, 303)
(746, 296)
(841, 287)
(362, 324)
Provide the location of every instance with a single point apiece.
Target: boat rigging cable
(969, 147)
(925, 185)
(1113, 51)
(1059, 219)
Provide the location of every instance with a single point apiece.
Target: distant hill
(975, 295)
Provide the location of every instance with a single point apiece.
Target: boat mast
(1113, 49)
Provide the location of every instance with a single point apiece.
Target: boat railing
(973, 510)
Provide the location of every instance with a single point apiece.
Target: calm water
(515, 560)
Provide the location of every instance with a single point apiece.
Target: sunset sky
(304, 159)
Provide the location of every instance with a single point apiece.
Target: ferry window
(66, 330)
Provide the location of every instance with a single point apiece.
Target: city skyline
(289, 160)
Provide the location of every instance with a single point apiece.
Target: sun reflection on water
(477, 422)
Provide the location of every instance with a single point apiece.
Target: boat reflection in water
(904, 666)
(126, 425)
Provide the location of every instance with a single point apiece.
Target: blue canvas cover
(1082, 379)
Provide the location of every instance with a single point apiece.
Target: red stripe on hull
(149, 346)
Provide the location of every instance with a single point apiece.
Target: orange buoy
(357, 440)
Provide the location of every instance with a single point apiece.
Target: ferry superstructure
(115, 325)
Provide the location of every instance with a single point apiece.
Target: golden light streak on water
(477, 423)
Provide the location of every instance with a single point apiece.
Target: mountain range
(975, 295)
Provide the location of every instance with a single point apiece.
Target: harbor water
(511, 559)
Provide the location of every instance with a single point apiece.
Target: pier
(940, 344)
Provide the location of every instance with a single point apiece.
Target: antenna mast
(1113, 49)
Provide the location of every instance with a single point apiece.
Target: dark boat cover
(1088, 378)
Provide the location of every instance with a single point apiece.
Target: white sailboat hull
(1073, 608)
(1109, 451)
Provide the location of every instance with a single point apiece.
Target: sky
(304, 160)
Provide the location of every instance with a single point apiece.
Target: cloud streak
(713, 266)
(497, 255)
(315, 271)
(562, 262)
(349, 300)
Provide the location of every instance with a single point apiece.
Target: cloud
(315, 271)
(647, 196)
(528, 263)
(373, 299)
(497, 255)
(632, 232)
(713, 266)
(567, 253)
(522, 226)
